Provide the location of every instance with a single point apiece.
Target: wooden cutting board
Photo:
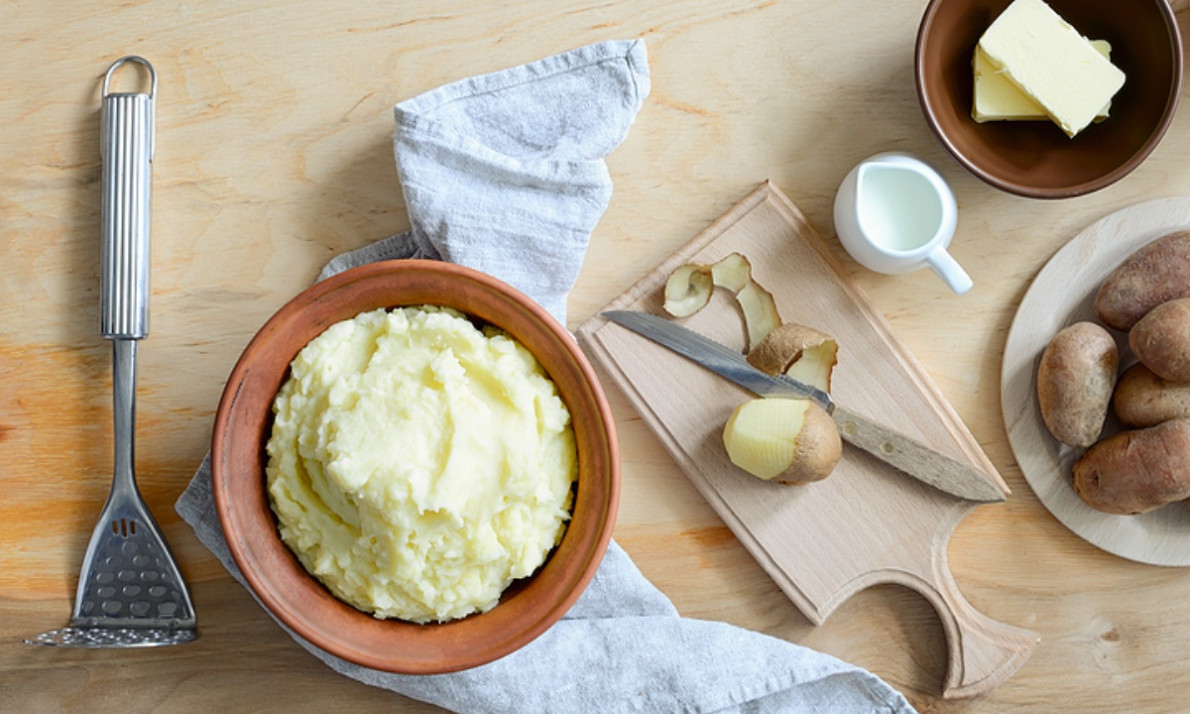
(867, 523)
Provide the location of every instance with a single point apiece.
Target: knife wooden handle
(916, 459)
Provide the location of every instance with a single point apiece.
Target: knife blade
(902, 452)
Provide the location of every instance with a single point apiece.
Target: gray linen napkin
(504, 172)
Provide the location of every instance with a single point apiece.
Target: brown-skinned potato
(1155, 273)
(1144, 399)
(1161, 340)
(1075, 380)
(1136, 471)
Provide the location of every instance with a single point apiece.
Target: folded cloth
(504, 173)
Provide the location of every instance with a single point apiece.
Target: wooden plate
(1061, 294)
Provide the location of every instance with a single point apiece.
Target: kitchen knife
(907, 455)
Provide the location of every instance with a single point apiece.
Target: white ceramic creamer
(895, 214)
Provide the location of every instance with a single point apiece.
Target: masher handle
(126, 146)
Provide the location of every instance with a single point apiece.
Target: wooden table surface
(274, 154)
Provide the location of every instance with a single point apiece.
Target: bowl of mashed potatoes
(415, 467)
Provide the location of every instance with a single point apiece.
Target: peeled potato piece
(801, 352)
(689, 288)
(783, 440)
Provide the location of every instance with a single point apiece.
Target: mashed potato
(418, 464)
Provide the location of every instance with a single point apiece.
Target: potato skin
(1143, 399)
(1155, 273)
(783, 345)
(819, 447)
(1161, 340)
(1075, 380)
(799, 351)
(1136, 471)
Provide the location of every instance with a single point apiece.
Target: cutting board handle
(982, 652)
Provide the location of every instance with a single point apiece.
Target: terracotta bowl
(1037, 159)
(244, 420)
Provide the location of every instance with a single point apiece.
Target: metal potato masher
(130, 591)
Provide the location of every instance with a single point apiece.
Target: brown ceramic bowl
(1037, 159)
(244, 420)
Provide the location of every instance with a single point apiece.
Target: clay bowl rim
(530, 606)
(936, 101)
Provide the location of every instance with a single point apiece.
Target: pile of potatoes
(1147, 465)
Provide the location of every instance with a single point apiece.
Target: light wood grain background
(273, 154)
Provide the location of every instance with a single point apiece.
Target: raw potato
(801, 352)
(1075, 381)
(1161, 340)
(689, 288)
(1155, 273)
(783, 440)
(1136, 471)
(1143, 399)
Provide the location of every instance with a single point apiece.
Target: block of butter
(998, 99)
(1050, 62)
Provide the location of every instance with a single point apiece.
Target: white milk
(895, 214)
(898, 209)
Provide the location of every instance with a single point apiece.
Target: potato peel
(689, 289)
(801, 352)
(775, 439)
(733, 272)
(760, 312)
